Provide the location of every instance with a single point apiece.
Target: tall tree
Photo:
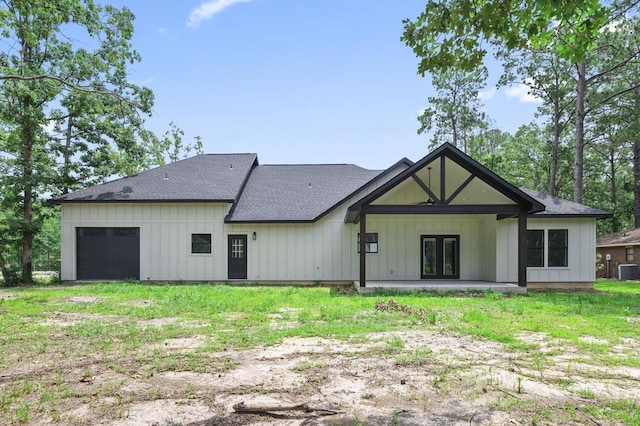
(545, 74)
(63, 63)
(450, 33)
(456, 33)
(455, 111)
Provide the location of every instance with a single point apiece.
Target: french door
(440, 255)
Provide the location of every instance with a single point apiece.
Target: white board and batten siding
(165, 237)
(581, 251)
(325, 250)
(398, 256)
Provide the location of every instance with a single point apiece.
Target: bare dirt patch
(83, 299)
(418, 377)
(68, 319)
(6, 295)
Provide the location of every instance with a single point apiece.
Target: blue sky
(296, 81)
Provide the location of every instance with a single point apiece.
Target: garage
(108, 253)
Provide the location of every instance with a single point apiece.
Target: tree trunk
(636, 182)
(3, 269)
(636, 166)
(28, 140)
(454, 132)
(554, 151)
(66, 168)
(578, 162)
(615, 221)
(555, 145)
(27, 173)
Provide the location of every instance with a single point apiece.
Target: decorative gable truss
(447, 182)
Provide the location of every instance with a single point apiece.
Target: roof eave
(260, 221)
(164, 200)
(571, 215)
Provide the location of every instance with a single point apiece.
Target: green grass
(106, 320)
(243, 317)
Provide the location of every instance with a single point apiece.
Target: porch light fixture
(254, 236)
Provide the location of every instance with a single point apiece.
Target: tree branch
(613, 68)
(610, 97)
(62, 81)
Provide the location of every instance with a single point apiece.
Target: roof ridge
(225, 153)
(314, 164)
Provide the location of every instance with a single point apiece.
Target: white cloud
(487, 94)
(50, 127)
(208, 9)
(521, 93)
(612, 26)
(162, 30)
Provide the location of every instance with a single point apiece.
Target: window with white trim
(201, 243)
(547, 248)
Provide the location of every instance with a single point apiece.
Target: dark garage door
(108, 253)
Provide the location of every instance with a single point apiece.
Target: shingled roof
(297, 193)
(206, 177)
(557, 207)
(267, 193)
(626, 238)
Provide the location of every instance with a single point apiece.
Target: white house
(226, 217)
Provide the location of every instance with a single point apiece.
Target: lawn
(108, 352)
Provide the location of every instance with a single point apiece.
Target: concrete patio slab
(439, 286)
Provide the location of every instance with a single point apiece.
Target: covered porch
(436, 201)
(437, 286)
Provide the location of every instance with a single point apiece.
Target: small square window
(370, 243)
(200, 243)
(629, 253)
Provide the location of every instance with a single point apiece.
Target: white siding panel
(581, 261)
(325, 250)
(165, 237)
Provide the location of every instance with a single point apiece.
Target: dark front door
(440, 255)
(237, 251)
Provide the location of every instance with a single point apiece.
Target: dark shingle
(206, 177)
(291, 193)
(555, 206)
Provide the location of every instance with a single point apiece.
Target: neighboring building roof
(297, 193)
(557, 207)
(205, 177)
(626, 238)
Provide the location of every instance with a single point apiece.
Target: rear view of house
(227, 217)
